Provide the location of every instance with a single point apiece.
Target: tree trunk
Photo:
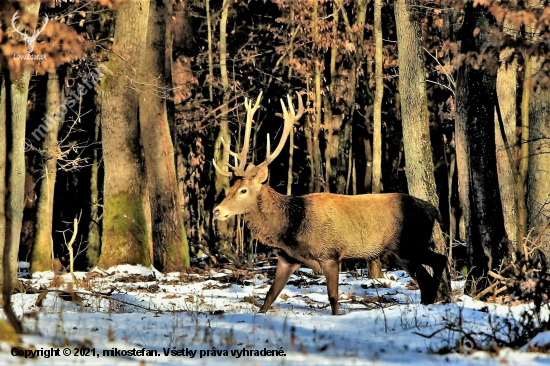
(225, 228)
(475, 134)
(125, 233)
(94, 234)
(414, 109)
(42, 251)
(538, 196)
(290, 174)
(375, 266)
(521, 184)
(345, 133)
(9, 268)
(506, 91)
(170, 251)
(3, 162)
(15, 179)
(317, 160)
(332, 122)
(378, 97)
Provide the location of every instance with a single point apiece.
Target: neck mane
(277, 218)
(267, 217)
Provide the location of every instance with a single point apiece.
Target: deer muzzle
(220, 214)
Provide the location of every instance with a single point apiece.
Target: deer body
(321, 229)
(324, 227)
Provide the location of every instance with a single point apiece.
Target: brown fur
(322, 229)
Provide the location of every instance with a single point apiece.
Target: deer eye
(243, 191)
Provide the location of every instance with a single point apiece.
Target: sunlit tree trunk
(3, 161)
(535, 148)
(290, 174)
(317, 160)
(414, 109)
(378, 97)
(125, 232)
(225, 228)
(375, 266)
(15, 184)
(506, 91)
(42, 250)
(9, 270)
(538, 195)
(170, 250)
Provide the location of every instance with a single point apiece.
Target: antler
(37, 32)
(240, 158)
(290, 119)
(13, 19)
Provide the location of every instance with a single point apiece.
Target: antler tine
(221, 171)
(290, 119)
(240, 158)
(13, 19)
(231, 153)
(250, 111)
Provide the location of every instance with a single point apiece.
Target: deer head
(243, 195)
(29, 40)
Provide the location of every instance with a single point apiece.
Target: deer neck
(267, 218)
(277, 220)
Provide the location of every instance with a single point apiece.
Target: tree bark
(290, 174)
(42, 251)
(3, 162)
(378, 97)
(506, 91)
(475, 134)
(332, 122)
(125, 232)
(375, 266)
(414, 109)
(538, 195)
(9, 267)
(94, 235)
(317, 160)
(345, 134)
(15, 172)
(170, 250)
(521, 184)
(225, 228)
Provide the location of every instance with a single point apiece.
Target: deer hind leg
(286, 266)
(330, 270)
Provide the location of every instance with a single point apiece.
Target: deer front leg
(330, 269)
(285, 268)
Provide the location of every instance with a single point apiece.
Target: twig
(497, 276)
(486, 291)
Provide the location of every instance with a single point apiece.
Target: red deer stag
(321, 229)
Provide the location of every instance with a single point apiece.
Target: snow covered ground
(381, 322)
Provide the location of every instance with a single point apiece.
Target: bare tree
(170, 250)
(42, 251)
(125, 231)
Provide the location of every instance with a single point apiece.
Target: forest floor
(131, 307)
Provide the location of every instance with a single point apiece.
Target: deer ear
(262, 175)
